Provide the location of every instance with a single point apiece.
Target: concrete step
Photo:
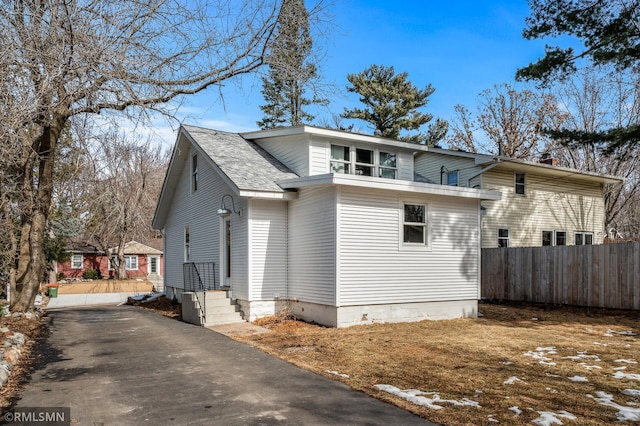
(215, 318)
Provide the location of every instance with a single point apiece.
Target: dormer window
(340, 159)
(363, 162)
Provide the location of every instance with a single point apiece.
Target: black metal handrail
(199, 277)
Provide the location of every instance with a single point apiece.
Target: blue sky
(459, 47)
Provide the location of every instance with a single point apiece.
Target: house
(541, 205)
(336, 227)
(142, 261)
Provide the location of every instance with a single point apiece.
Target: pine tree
(290, 70)
(392, 103)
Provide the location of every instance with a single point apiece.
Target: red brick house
(142, 261)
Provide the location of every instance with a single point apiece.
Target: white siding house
(334, 226)
(541, 204)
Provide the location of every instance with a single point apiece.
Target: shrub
(91, 274)
(60, 276)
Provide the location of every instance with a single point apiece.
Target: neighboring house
(142, 261)
(541, 204)
(334, 226)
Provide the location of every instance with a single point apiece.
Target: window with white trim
(519, 182)
(187, 245)
(582, 238)
(561, 238)
(452, 178)
(76, 261)
(194, 173)
(503, 237)
(131, 263)
(547, 238)
(363, 162)
(340, 159)
(388, 165)
(414, 224)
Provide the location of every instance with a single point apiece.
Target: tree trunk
(122, 266)
(34, 210)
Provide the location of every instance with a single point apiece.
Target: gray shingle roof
(248, 166)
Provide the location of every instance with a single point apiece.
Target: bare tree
(64, 58)
(509, 121)
(123, 186)
(597, 100)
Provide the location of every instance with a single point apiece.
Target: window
(415, 224)
(583, 238)
(452, 178)
(547, 238)
(387, 165)
(76, 261)
(131, 263)
(187, 242)
(194, 173)
(503, 237)
(561, 238)
(363, 162)
(519, 183)
(340, 162)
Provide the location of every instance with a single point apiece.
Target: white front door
(225, 249)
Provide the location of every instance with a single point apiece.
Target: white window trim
(584, 234)
(427, 231)
(187, 244)
(130, 267)
(376, 160)
(73, 261)
(515, 184)
(194, 172)
(498, 237)
(553, 237)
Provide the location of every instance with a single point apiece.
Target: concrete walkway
(128, 366)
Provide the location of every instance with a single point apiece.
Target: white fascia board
(389, 184)
(332, 134)
(287, 195)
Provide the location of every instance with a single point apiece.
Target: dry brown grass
(472, 358)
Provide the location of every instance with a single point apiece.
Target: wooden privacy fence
(605, 276)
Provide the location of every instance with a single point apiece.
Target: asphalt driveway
(123, 365)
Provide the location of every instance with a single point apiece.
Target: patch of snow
(578, 379)
(635, 393)
(548, 418)
(506, 363)
(621, 375)
(335, 373)
(534, 319)
(551, 390)
(491, 419)
(623, 333)
(589, 330)
(541, 355)
(511, 380)
(583, 355)
(589, 367)
(417, 397)
(624, 367)
(139, 297)
(516, 410)
(552, 375)
(625, 413)
(600, 344)
(627, 361)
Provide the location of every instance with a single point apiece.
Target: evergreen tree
(392, 103)
(610, 34)
(290, 71)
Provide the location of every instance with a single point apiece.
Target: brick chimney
(546, 158)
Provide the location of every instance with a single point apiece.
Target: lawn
(514, 365)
